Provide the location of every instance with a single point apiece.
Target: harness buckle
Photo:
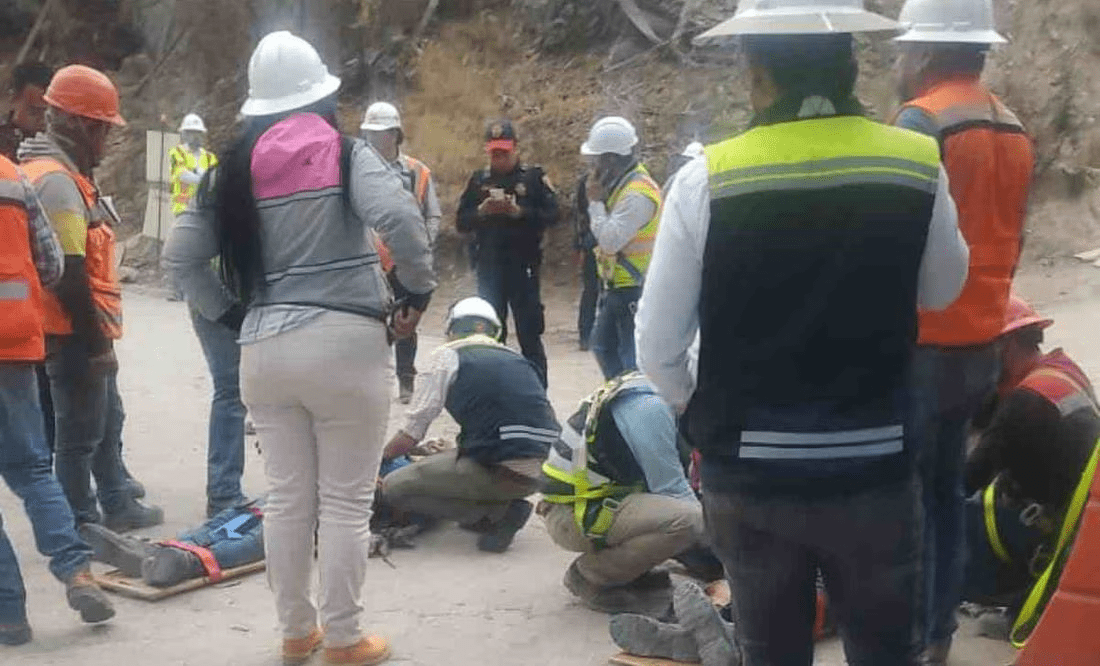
(1031, 514)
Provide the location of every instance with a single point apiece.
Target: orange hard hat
(86, 92)
(1020, 315)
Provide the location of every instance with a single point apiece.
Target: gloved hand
(233, 317)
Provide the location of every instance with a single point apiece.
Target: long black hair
(237, 218)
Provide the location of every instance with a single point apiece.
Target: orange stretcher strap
(209, 563)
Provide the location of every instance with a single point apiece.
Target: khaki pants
(451, 488)
(320, 398)
(647, 529)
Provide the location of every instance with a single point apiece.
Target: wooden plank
(136, 588)
(624, 659)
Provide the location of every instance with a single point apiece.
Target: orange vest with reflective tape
(421, 175)
(989, 161)
(1061, 382)
(99, 260)
(21, 337)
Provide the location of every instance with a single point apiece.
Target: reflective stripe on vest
(1055, 380)
(628, 266)
(181, 160)
(99, 260)
(989, 160)
(587, 484)
(860, 443)
(421, 176)
(21, 336)
(1041, 592)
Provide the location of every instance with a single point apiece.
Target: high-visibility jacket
(21, 337)
(807, 307)
(182, 159)
(421, 176)
(592, 467)
(628, 266)
(99, 259)
(989, 161)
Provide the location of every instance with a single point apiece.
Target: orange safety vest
(1058, 379)
(989, 161)
(21, 337)
(421, 177)
(99, 260)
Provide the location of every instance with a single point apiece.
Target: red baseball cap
(500, 135)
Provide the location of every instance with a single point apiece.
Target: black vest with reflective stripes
(808, 308)
(499, 402)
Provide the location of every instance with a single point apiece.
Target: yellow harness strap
(989, 502)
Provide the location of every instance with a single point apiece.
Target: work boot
(133, 516)
(298, 650)
(125, 553)
(654, 579)
(134, 488)
(405, 385)
(367, 652)
(15, 634)
(85, 597)
(645, 636)
(170, 566)
(500, 537)
(713, 636)
(616, 598)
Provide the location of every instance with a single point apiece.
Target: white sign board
(158, 205)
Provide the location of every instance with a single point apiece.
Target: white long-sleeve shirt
(614, 229)
(667, 321)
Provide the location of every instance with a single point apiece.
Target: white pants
(320, 398)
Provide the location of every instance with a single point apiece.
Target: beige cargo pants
(647, 529)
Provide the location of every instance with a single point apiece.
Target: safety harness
(595, 498)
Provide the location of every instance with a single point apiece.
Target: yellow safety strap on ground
(989, 502)
(1036, 600)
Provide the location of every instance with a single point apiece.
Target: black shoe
(405, 389)
(15, 634)
(169, 566)
(134, 488)
(123, 552)
(654, 579)
(134, 516)
(616, 599)
(498, 540)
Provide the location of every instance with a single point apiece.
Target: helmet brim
(267, 107)
(378, 127)
(913, 36)
(798, 22)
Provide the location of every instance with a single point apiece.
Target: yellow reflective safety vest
(628, 266)
(181, 160)
(581, 464)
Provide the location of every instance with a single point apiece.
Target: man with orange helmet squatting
(83, 313)
(1035, 443)
(989, 159)
(30, 257)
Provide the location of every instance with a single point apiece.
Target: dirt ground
(444, 602)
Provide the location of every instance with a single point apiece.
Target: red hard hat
(1020, 314)
(86, 92)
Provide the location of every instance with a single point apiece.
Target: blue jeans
(613, 337)
(948, 387)
(225, 443)
(88, 417)
(234, 537)
(25, 466)
(865, 546)
(988, 580)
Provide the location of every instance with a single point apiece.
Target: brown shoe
(85, 597)
(299, 650)
(367, 652)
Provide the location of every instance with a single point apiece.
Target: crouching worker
(617, 493)
(507, 426)
(1029, 459)
(232, 538)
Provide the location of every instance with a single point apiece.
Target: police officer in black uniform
(508, 206)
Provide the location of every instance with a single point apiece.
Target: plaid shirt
(45, 248)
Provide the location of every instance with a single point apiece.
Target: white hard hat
(799, 17)
(949, 22)
(611, 135)
(286, 73)
(381, 116)
(192, 123)
(476, 307)
(693, 150)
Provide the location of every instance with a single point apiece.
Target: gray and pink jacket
(316, 248)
